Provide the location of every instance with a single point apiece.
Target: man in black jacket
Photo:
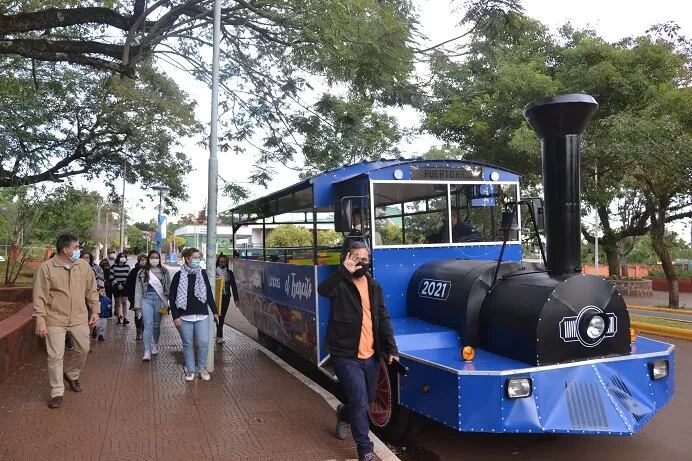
(359, 333)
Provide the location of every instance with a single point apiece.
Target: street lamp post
(98, 229)
(163, 191)
(122, 209)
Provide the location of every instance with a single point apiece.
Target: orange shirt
(366, 346)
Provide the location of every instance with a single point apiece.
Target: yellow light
(467, 353)
(633, 334)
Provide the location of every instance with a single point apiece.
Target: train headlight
(596, 328)
(517, 388)
(658, 369)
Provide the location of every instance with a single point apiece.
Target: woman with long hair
(119, 273)
(191, 298)
(151, 290)
(105, 266)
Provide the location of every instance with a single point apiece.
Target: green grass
(661, 322)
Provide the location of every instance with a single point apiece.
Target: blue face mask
(195, 263)
(75, 255)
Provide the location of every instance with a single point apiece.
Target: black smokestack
(559, 121)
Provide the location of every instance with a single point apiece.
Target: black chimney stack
(559, 121)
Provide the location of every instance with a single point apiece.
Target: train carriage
(492, 343)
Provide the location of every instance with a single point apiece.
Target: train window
(477, 211)
(411, 214)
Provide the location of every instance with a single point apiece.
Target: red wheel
(381, 408)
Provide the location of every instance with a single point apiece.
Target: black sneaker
(101, 338)
(341, 431)
(367, 457)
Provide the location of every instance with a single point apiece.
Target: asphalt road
(667, 437)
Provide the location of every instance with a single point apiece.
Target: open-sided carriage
(492, 343)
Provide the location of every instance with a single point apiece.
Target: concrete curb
(672, 332)
(381, 449)
(662, 309)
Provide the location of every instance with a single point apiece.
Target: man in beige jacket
(63, 287)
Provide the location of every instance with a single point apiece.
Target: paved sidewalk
(660, 298)
(134, 410)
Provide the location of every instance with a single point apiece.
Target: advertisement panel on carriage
(279, 300)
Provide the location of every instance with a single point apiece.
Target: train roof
(297, 197)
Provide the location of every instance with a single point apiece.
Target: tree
(59, 123)
(288, 236)
(479, 105)
(342, 132)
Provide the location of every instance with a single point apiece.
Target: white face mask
(154, 262)
(123, 260)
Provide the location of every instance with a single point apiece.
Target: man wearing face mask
(63, 288)
(359, 333)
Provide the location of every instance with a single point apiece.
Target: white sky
(612, 19)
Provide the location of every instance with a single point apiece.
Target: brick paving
(132, 410)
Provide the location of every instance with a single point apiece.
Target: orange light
(633, 334)
(467, 353)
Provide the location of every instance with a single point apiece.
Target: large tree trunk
(612, 252)
(659, 246)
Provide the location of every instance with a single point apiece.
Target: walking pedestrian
(111, 257)
(229, 288)
(63, 287)
(98, 272)
(119, 272)
(106, 313)
(191, 298)
(152, 286)
(359, 333)
(130, 285)
(106, 268)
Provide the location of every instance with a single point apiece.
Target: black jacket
(346, 316)
(130, 284)
(229, 286)
(194, 306)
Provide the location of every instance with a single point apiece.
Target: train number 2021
(435, 289)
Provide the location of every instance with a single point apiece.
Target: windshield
(418, 213)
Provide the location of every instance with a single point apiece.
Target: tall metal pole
(213, 175)
(122, 209)
(595, 256)
(159, 236)
(105, 244)
(98, 231)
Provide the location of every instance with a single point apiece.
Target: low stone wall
(18, 343)
(641, 287)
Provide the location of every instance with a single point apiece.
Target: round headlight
(596, 327)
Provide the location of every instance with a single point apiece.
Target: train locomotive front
(553, 350)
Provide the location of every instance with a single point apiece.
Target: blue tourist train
(490, 342)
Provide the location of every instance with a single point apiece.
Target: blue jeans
(197, 332)
(358, 379)
(151, 318)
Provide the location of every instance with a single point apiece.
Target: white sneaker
(190, 377)
(147, 356)
(220, 341)
(154, 349)
(204, 375)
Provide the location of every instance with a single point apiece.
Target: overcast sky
(612, 19)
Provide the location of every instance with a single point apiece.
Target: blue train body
(612, 394)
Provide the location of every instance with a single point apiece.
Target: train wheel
(387, 417)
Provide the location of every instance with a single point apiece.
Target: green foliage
(391, 234)
(289, 235)
(64, 123)
(344, 132)
(680, 273)
(328, 238)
